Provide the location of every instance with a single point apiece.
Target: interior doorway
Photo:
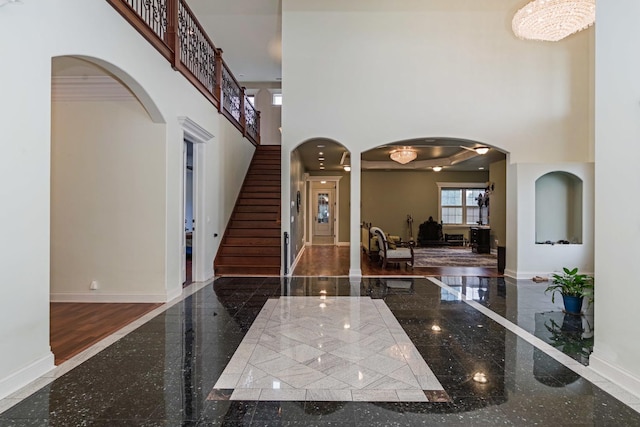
(189, 217)
(323, 205)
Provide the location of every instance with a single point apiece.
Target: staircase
(251, 242)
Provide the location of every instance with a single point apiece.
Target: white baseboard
(24, 376)
(510, 273)
(111, 298)
(295, 261)
(521, 275)
(173, 295)
(355, 273)
(344, 244)
(619, 376)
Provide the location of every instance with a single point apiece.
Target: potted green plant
(573, 287)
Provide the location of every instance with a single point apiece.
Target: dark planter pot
(572, 305)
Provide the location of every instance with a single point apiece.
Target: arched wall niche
(559, 215)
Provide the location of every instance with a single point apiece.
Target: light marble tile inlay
(327, 349)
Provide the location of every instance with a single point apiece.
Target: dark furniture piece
(430, 234)
(502, 259)
(454, 239)
(479, 238)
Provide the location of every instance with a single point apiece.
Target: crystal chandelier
(403, 155)
(553, 20)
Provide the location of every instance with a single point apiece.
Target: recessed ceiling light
(320, 146)
(321, 164)
(347, 168)
(481, 168)
(320, 153)
(321, 167)
(321, 159)
(323, 182)
(437, 168)
(482, 150)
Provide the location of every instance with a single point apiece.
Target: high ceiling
(256, 56)
(249, 33)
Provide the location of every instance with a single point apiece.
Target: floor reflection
(571, 334)
(162, 373)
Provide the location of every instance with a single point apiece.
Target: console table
(479, 238)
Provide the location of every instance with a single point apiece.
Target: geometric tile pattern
(327, 349)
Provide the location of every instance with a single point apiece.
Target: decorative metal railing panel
(231, 93)
(197, 53)
(172, 28)
(153, 13)
(251, 122)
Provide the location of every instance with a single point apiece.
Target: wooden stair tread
(251, 242)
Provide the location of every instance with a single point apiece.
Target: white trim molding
(617, 375)
(89, 88)
(24, 376)
(111, 298)
(194, 130)
(295, 262)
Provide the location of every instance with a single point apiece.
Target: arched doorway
(107, 198)
(434, 193)
(321, 192)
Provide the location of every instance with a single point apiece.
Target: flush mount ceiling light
(437, 168)
(553, 20)
(403, 155)
(347, 168)
(482, 150)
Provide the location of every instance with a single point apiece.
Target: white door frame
(336, 229)
(330, 225)
(198, 136)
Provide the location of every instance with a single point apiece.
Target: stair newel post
(243, 115)
(285, 249)
(218, 83)
(172, 35)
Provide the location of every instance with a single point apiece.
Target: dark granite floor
(162, 373)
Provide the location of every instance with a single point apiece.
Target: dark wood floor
(334, 261)
(77, 326)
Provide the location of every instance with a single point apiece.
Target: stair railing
(172, 28)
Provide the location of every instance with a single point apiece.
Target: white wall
(616, 349)
(390, 70)
(25, 132)
(107, 202)
(394, 70)
(270, 117)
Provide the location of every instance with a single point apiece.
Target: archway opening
(107, 202)
(320, 207)
(438, 194)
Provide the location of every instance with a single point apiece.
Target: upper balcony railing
(172, 28)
